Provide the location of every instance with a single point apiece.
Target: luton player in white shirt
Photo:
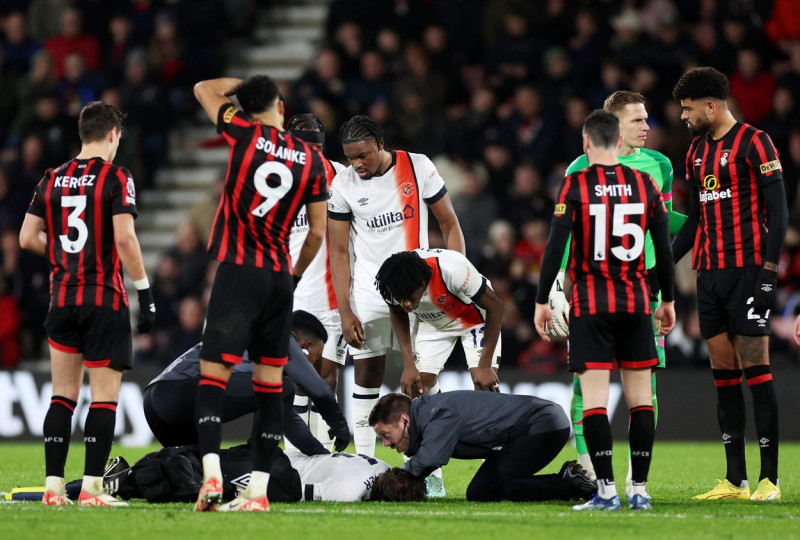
(378, 206)
(337, 477)
(451, 301)
(314, 293)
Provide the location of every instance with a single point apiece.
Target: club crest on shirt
(723, 160)
(407, 189)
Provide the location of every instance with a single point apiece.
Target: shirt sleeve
(338, 205)
(461, 276)
(232, 123)
(37, 204)
(439, 439)
(122, 193)
(763, 158)
(433, 187)
(565, 209)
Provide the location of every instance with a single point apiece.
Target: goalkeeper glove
(559, 306)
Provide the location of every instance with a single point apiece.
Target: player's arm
(436, 449)
(665, 270)
(339, 234)
(300, 370)
(213, 94)
(684, 241)
(448, 222)
(484, 377)
(410, 381)
(32, 236)
(295, 429)
(130, 253)
(676, 219)
(317, 221)
(553, 252)
(777, 224)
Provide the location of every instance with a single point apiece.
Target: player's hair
(308, 127)
(398, 485)
(97, 119)
(389, 408)
(305, 322)
(305, 122)
(702, 82)
(602, 127)
(617, 101)
(257, 94)
(360, 128)
(400, 275)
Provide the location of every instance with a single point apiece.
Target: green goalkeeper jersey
(658, 166)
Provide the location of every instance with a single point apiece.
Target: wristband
(141, 284)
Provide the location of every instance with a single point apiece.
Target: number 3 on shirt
(74, 221)
(271, 194)
(618, 228)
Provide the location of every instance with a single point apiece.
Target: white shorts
(432, 347)
(378, 333)
(335, 349)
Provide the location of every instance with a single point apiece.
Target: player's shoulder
(338, 168)
(656, 156)
(578, 164)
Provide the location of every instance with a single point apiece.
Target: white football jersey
(315, 290)
(387, 214)
(447, 302)
(337, 477)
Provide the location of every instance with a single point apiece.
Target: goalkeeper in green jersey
(629, 108)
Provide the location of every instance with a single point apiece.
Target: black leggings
(169, 407)
(508, 473)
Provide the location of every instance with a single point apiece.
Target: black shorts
(250, 310)
(724, 302)
(101, 334)
(596, 341)
(169, 407)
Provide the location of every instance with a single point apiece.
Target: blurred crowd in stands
(494, 91)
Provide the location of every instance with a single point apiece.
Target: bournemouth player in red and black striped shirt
(271, 175)
(609, 207)
(81, 219)
(736, 226)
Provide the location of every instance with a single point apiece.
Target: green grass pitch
(679, 471)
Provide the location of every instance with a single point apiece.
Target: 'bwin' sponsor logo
(708, 196)
(391, 217)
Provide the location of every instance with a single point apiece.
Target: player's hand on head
(764, 295)
(797, 330)
(147, 311)
(559, 307)
(485, 379)
(542, 320)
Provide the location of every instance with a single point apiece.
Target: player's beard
(700, 127)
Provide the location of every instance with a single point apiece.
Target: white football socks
(364, 399)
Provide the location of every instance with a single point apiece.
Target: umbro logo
(764, 442)
(241, 481)
(363, 201)
(726, 439)
(698, 162)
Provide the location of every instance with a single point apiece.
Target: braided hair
(360, 128)
(306, 122)
(400, 275)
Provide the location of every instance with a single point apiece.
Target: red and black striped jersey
(77, 202)
(728, 174)
(271, 175)
(609, 209)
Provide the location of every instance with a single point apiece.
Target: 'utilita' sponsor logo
(388, 218)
